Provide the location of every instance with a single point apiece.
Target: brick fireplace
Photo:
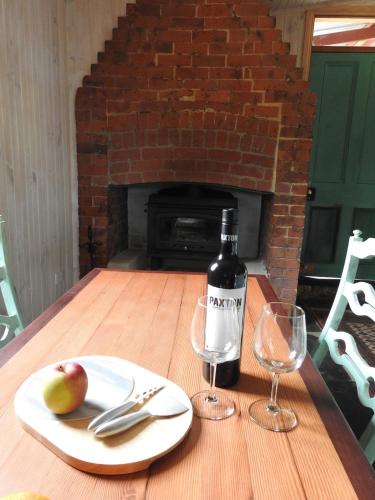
(196, 91)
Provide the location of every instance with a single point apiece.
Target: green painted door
(342, 170)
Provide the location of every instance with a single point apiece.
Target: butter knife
(123, 407)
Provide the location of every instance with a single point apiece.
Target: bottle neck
(229, 237)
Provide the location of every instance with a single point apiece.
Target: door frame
(335, 10)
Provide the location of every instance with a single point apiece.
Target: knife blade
(162, 406)
(123, 407)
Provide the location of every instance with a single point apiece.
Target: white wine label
(215, 330)
(229, 237)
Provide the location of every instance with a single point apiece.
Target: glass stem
(212, 396)
(272, 405)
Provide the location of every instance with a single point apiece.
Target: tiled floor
(317, 300)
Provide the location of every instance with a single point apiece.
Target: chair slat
(6, 337)
(331, 339)
(12, 318)
(364, 249)
(354, 364)
(10, 321)
(351, 291)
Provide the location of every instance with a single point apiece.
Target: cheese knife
(162, 406)
(123, 407)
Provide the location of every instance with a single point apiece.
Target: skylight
(352, 32)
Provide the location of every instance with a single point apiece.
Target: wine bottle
(227, 277)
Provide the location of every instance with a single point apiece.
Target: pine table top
(144, 317)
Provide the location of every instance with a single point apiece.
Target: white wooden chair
(341, 345)
(11, 321)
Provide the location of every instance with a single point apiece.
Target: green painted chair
(341, 345)
(11, 320)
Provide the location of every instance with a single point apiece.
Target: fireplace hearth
(184, 226)
(176, 226)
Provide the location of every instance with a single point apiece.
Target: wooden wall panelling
(32, 138)
(292, 25)
(46, 48)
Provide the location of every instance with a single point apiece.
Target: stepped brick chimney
(197, 91)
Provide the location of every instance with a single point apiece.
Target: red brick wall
(199, 91)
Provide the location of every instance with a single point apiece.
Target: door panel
(334, 120)
(365, 219)
(342, 168)
(324, 220)
(367, 147)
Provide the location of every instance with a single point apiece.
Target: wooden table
(145, 318)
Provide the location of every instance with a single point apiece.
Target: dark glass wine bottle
(227, 277)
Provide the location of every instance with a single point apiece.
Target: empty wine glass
(280, 347)
(215, 338)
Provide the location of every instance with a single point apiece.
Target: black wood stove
(184, 226)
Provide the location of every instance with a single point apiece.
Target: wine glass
(215, 336)
(280, 347)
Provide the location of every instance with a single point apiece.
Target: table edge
(355, 462)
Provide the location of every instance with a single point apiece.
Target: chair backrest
(341, 345)
(11, 319)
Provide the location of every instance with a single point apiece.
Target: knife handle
(110, 414)
(121, 424)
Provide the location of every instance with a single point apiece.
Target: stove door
(185, 230)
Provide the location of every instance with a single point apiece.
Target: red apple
(66, 388)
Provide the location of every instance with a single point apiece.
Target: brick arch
(194, 146)
(200, 92)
